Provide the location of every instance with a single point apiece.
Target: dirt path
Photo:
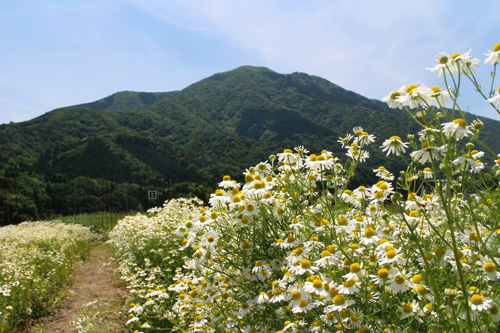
(97, 293)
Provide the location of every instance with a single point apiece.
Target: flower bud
(396, 197)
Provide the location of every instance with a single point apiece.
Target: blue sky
(61, 53)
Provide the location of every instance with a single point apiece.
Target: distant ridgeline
(106, 155)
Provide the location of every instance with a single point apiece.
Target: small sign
(152, 195)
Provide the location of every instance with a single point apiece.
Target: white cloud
(364, 46)
(368, 47)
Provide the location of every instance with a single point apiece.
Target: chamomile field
(295, 249)
(36, 260)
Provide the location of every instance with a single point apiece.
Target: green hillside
(118, 148)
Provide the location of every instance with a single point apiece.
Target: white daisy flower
(288, 156)
(428, 174)
(443, 64)
(227, 183)
(339, 303)
(399, 283)
(457, 128)
(316, 287)
(303, 306)
(428, 152)
(393, 98)
(409, 310)
(465, 62)
(495, 100)
(209, 240)
(441, 97)
(493, 57)
(417, 95)
(465, 163)
(394, 145)
(364, 139)
(489, 269)
(479, 303)
(218, 200)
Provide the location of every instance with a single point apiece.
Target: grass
(97, 222)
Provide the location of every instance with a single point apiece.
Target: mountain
(117, 148)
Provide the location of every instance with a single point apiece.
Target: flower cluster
(35, 261)
(295, 248)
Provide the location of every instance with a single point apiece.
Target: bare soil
(96, 292)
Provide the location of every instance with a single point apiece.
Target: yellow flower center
(443, 60)
(399, 279)
(417, 279)
(413, 213)
(476, 299)
(455, 55)
(317, 283)
(421, 290)
(296, 295)
(411, 88)
(325, 253)
(370, 232)
(303, 303)
(394, 137)
(473, 236)
(248, 178)
(339, 300)
(383, 273)
(390, 254)
(494, 309)
(349, 283)
(489, 267)
(407, 308)
(226, 178)
(210, 239)
(354, 268)
(436, 89)
(344, 313)
(496, 48)
(460, 122)
(320, 158)
(395, 95)
(305, 264)
(342, 221)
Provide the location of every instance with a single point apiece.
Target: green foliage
(153, 141)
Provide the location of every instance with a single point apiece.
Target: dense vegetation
(106, 155)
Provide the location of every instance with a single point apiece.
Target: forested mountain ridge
(117, 148)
